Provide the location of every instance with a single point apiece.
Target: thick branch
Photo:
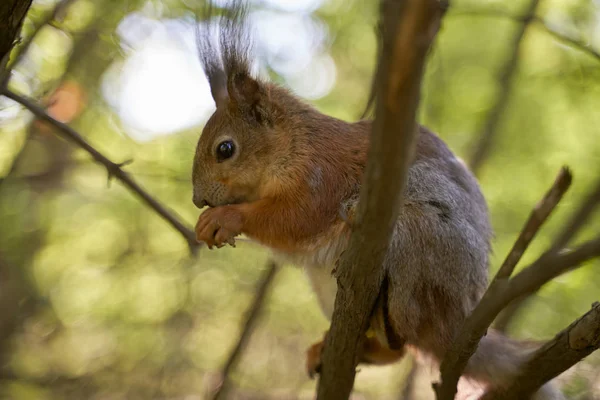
(567, 348)
(114, 169)
(409, 27)
(482, 149)
(248, 328)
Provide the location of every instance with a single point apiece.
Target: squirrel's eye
(225, 150)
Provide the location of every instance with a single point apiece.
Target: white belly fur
(325, 287)
(318, 264)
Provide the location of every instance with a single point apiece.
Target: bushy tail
(498, 360)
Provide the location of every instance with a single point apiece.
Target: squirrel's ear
(248, 96)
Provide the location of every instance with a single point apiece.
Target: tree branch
(114, 169)
(482, 149)
(538, 216)
(570, 346)
(502, 290)
(548, 267)
(409, 27)
(249, 326)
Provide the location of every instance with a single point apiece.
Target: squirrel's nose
(199, 201)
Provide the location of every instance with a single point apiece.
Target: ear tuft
(227, 65)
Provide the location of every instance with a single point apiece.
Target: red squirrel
(277, 170)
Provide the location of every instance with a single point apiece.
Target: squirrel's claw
(224, 236)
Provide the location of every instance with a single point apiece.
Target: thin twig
(570, 346)
(114, 169)
(24, 48)
(483, 147)
(548, 267)
(409, 28)
(248, 327)
(538, 216)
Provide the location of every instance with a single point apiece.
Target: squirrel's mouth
(203, 203)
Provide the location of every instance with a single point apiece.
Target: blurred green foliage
(122, 312)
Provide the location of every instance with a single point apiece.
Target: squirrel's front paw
(219, 225)
(313, 359)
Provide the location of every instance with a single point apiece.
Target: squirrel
(277, 170)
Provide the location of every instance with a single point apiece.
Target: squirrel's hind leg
(373, 352)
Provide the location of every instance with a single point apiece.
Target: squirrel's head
(237, 142)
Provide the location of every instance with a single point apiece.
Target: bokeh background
(101, 298)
